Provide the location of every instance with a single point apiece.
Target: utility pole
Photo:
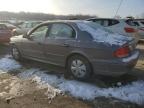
(118, 7)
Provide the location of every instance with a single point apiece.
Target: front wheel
(79, 67)
(15, 53)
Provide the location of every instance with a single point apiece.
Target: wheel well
(78, 55)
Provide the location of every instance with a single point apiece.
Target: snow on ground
(7, 64)
(132, 92)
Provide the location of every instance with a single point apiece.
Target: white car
(121, 26)
(140, 24)
(25, 27)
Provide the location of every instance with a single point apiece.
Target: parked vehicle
(10, 26)
(84, 48)
(122, 26)
(5, 33)
(25, 27)
(140, 25)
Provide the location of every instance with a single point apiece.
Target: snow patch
(101, 35)
(7, 64)
(131, 92)
(44, 81)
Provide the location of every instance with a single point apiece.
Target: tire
(79, 67)
(15, 53)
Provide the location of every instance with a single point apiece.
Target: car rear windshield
(94, 26)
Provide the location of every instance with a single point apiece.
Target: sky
(101, 8)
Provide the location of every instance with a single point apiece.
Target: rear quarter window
(113, 22)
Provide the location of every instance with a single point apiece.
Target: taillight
(129, 30)
(122, 52)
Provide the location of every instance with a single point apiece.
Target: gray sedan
(82, 47)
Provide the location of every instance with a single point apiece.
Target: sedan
(84, 48)
(140, 25)
(5, 34)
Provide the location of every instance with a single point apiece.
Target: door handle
(39, 43)
(66, 44)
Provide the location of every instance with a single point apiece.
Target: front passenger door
(33, 46)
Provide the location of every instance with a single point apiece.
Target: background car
(140, 25)
(82, 47)
(10, 26)
(122, 26)
(25, 27)
(5, 33)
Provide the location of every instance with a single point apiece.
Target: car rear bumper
(115, 67)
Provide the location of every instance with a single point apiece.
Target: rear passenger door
(58, 42)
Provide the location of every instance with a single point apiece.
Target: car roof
(63, 21)
(110, 19)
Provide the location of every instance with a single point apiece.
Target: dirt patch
(18, 93)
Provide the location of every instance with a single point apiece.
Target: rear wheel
(79, 67)
(15, 53)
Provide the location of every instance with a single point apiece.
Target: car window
(35, 23)
(39, 34)
(105, 23)
(24, 25)
(98, 22)
(61, 31)
(112, 22)
(29, 25)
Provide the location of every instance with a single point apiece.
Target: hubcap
(15, 53)
(78, 68)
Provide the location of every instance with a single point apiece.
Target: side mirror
(25, 35)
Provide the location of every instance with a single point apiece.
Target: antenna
(118, 8)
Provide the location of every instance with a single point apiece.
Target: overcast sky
(102, 8)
